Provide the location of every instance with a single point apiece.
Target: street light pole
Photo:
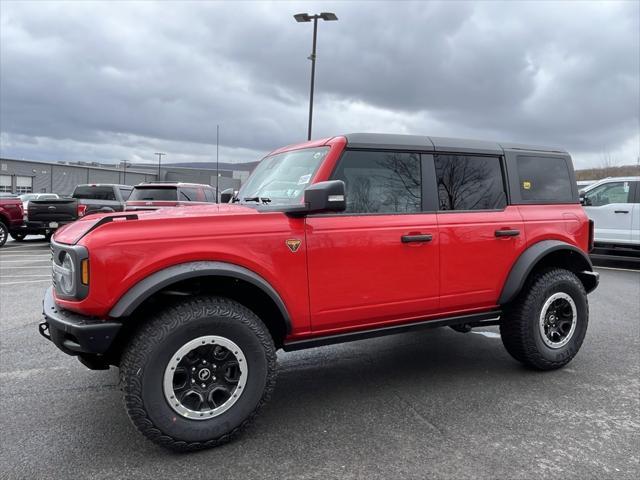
(305, 17)
(160, 154)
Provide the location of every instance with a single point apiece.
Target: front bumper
(76, 334)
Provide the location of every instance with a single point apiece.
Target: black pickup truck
(45, 216)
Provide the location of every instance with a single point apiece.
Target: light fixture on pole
(302, 18)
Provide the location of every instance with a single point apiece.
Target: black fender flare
(530, 258)
(183, 271)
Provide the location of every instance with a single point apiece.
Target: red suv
(328, 241)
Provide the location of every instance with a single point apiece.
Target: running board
(475, 320)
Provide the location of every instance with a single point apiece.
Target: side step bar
(474, 320)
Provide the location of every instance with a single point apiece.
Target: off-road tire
(145, 359)
(18, 237)
(4, 233)
(519, 326)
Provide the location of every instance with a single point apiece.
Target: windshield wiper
(257, 199)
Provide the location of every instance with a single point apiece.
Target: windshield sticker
(626, 187)
(318, 155)
(526, 185)
(304, 179)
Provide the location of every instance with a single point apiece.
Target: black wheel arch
(548, 253)
(206, 271)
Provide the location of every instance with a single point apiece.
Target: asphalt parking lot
(434, 404)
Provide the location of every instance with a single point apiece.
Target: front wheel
(196, 375)
(4, 231)
(545, 326)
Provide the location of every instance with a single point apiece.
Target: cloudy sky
(120, 80)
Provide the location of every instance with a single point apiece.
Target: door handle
(621, 211)
(416, 238)
(507, 233)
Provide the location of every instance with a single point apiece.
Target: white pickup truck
(614, 206)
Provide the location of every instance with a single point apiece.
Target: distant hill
(604, 172)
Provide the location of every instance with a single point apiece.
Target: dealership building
(23, 176)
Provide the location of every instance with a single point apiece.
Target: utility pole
(160, 154)
(305, 17)
(217, 162)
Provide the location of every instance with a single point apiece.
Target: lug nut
(193, 381)
(203, 385)
(193, 369)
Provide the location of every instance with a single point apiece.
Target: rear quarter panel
(566, 222)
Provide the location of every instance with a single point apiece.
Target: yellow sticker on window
(526, 185)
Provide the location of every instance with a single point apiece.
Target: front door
(376, 263)
(609, 206)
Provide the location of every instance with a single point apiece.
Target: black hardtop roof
(392, 141)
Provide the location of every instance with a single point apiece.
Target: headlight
(67, 275)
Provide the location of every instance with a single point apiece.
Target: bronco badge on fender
(293, 244)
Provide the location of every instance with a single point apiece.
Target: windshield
(27, 197)
(280, 179)
(154, 193)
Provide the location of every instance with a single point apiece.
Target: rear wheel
(197, 375)
(18, 237)
(4, 232)
(545, 326)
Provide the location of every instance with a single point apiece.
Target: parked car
(328, 241)
(26, 197)
(45, 216)
(10, 216)
(151, 196)
(614, 206)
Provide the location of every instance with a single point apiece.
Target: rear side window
(209, 196)
(189, 194)
(468, 182)
(94, 193)
(125, 192)
(544, 179)
(381, 182)
(151, 194)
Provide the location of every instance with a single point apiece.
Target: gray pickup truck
(45, 216)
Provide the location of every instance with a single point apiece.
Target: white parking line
(17, 251)
(2, 262)
(20, 275)
(15, 268)
(26, 281)
(44, 255)
(618, 269)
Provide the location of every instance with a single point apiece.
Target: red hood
(70, 234)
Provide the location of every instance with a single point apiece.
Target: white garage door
(24, 185)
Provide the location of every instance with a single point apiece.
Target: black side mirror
(226, 195)
(585, 201)
(325, 197)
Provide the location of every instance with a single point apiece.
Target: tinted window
(94, 193)
(167, 194)
(209, 196)
(381, 182)
(188, 194)
(544, 179)
(612, 192)
(125, 192)
(469, 183)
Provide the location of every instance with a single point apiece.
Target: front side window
(281, 179)
(612, 192)
(467, 182)
(544, 179)
(381, 182)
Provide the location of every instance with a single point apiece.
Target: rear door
(610, 206)
(480, 235)
(376, 263)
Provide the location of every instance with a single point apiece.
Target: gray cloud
(120, 80)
